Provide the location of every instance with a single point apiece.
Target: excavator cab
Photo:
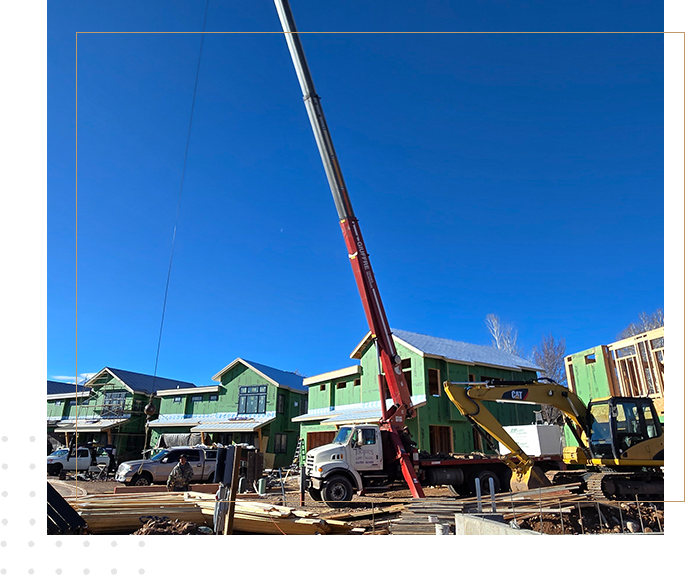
(617, 425)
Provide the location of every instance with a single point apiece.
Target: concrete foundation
(474, 525)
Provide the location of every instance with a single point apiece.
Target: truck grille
(309, 466)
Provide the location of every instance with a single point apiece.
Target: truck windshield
(343, 435)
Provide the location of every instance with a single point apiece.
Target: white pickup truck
(157, 468)
(62, 460)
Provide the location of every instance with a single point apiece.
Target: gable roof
(278, 377)
(456, 351)
(139, 382)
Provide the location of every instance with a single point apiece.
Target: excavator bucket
(533, 478)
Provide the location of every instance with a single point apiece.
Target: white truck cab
(336, 470)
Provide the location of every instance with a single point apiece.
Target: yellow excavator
(620, 452)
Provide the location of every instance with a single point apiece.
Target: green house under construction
(351, 395)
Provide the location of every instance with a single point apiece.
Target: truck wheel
(210, 479)
(54, 469)
(484, 479)
(337, 492)
(315, 494)
(141, 480)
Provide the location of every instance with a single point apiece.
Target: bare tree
(504, 335)
(646, 322)
(549, 355)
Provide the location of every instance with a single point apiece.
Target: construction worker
(407, 442)
(180, 476)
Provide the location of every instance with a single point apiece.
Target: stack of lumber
(421, 516)
(110, 514)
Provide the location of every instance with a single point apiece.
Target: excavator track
(610, 485)
(594, 486)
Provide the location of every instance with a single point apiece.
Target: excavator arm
(469, 398)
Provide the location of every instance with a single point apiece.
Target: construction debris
(552, 510)
(175, 527)
(172, 513)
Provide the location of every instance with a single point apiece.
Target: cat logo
(516, 395)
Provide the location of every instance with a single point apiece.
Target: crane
(392, 418)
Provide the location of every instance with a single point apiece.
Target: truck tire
(54, 469)
(315, 494)
(484, 479)
(141, 480)
(337, 492)
(210, 479)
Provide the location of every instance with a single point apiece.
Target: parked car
(159, 466)
(64, 459)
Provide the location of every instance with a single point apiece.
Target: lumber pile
(118, 514)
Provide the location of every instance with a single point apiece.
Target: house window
(214, 397)
(304, 406)
(196, 398)
(58, 402)
(177, 399)
(252, 399)
(357, 382)
(341, 385)
(322, 387)
(281, 443)
(472, 377)
(113, 404)
(280, 403)
(433, 382)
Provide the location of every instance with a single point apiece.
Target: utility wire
(180, 194)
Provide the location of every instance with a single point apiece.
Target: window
(280, 403)
(252, 399)
(472, 377)
(322, 387)
(590, 359)
(406, 371)
(113, 404)
(72, 402)
(177, 399)
(357, 382)
(368, 437)
(341, 385)
(192, 455)
(196, 398)
(433, 382)
(58, 402)
(281, 443)
(304, 406)
(214, 397)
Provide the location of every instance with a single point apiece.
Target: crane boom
(390, 361)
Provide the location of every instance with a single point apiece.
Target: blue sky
(515, 174)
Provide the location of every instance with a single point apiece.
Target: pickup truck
(159, 466)
(58, 461)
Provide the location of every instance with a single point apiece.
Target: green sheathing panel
(590, 374)
(591, 380)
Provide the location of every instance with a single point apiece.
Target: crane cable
(178, 205)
